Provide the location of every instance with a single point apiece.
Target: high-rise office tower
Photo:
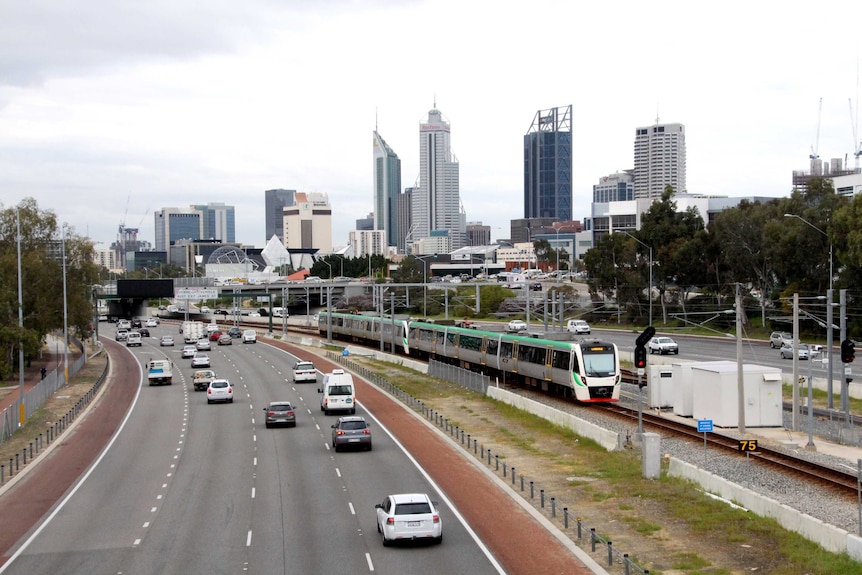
(548, 165)
(659, 159)
(218, 221)
(387, 186)
(276, 200)
(405, 218)
(174, 224)
(436, 207)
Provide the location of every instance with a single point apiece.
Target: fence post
(553, 507)
(566, 517)
(497, 462)
(542, 498)
(610, 554)
(593, 538)
(531, 490)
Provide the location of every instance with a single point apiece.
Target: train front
(599, 373)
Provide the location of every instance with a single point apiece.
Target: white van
(338, 392)
(578, 327)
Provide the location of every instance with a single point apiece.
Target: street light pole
(829, 333)
(650, 271)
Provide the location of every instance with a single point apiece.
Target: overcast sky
(110, 111)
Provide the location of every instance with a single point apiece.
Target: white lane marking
(352, 510)
(368, 560)
(252, 492)
(248, 539)
(338, 472)
(255, 462)
(326, 445)
(317, 426)
(158, 497)
(153, 509)
(136, 543)
(146, 524)
(164, 485)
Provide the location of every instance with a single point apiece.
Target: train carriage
(587, 371)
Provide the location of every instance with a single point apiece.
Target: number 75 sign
(748, 445)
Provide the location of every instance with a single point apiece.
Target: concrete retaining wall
(829, 537)
(607, 439)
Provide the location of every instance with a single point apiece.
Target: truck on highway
(193, 331)
(159, 372)
(202, 378)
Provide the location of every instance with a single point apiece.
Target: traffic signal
(848, 351)
(640, 357)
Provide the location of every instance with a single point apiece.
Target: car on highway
(166, 340)
(351, 431)
(200, 359)
(663, 345)
(143, 331)
(535, 286)
(213, 336)
(133, 338)
(280, 413)
(786, 351)
(777, 339)
(225, 339)
(516, 325)
(249, 336)
(408, 517)
(152, 322)
(578, 327)
(121, 335)
(304, 371)
(203, 345)
(189, 350)
(220, 390)
(124, 324)
(234, 332)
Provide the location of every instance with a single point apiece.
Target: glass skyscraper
(548, 165)
(387, 185)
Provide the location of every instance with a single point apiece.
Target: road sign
(196, 293)
(704, 425)
(644, 338)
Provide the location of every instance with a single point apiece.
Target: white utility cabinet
(715, 393)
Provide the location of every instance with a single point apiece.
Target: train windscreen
(599, 360)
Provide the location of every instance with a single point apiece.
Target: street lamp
(650, 270)
(829, 296)
(327, 265)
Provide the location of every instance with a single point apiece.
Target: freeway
(189, 487)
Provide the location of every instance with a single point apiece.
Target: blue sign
(704, 425)
(344, 352)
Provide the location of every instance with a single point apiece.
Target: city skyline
(163, 110)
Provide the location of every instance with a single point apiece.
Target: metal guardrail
(547, 504)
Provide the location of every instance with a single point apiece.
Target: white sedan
(408, 516)
(516, 325)
(662, 345)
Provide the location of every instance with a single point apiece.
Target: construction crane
(814, 155)
(854, 125)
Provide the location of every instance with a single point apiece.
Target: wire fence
(560, 513)
(9, 469)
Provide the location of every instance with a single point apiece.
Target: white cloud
(162, 105)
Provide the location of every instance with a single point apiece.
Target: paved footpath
(515, 534)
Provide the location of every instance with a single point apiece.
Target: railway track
(838, 481)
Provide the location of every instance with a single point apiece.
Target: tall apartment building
(436, 207)
(548, 165)
(367, 242)
(387, 186)
(218, 221)
(275, 201)
(405, 219)
(308, 223)
(659, 160)
(618, 187)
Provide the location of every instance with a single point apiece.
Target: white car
(408, 516)
(304, 371)
(203, 345)
(516, 325)
(166, 340)
(786, 351)
(578, 327)
(249, 336)
(189, 350)
(201, 360)
(220, 390)
(152, 322)
(663, 345)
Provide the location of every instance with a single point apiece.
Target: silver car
(201, 360)
(351, 431)
(786, 351)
